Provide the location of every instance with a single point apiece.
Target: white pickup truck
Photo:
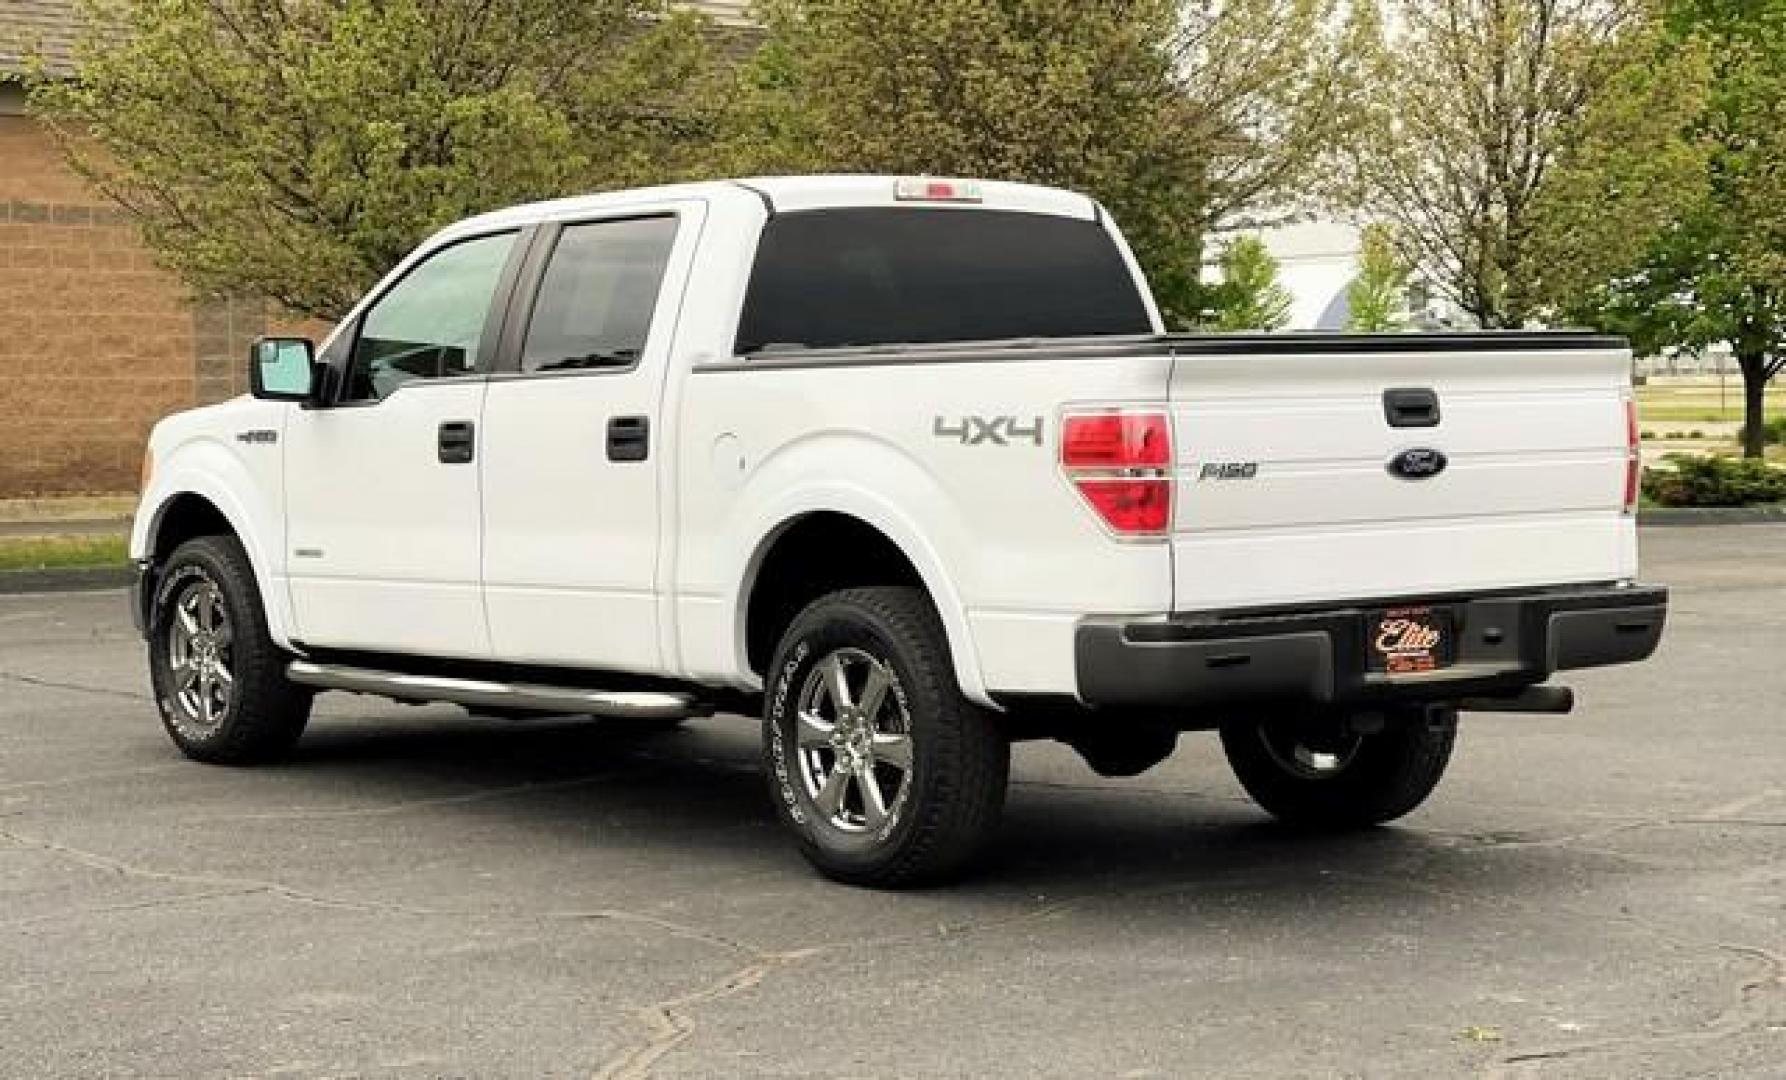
(908, 466)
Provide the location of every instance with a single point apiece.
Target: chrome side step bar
(633, 704)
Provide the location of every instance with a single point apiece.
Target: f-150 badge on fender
(997, 430)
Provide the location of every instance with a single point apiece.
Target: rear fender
(812, 476)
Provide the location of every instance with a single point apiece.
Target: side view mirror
(282, 369)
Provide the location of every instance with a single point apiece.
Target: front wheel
(880, 767)
(219, 679)
(1327, 775)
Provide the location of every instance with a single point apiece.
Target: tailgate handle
(1411, 407)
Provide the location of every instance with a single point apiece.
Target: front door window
(430, 324)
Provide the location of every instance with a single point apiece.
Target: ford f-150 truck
(910, 467)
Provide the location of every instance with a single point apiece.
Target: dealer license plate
(1403, 641)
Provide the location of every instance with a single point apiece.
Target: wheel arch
(182, 517)
(194, 502)
(800, 558)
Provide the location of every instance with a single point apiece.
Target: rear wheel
(219, 680)
(1326, 775)
(883, 771)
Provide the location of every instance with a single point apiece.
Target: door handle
(629, 438)
(1413, 407)
(458, 442)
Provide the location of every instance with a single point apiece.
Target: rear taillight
(1121, 462)
(1633, 456)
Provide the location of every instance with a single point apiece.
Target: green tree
(295, 149)
(1377, 296)
(1523, 149)
(1249, 296)
(1718, 274)
(1175, 117)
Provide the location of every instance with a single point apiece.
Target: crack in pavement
(404, 806)
(1738, 806)
(81, 778)
(78, 688)
(1726, 1025)
(1745, 1014)
(1576, 840)
(668, 1023)
(136, 905)
(221, 884)
(96, 861)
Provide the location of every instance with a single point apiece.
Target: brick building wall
(96, 342)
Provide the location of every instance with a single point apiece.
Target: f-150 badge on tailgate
(997, 430)
(1228, 470)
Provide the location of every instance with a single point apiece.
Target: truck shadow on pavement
(666, 802)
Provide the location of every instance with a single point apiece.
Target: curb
(1670, 516)
(45, 527)
(65, 579)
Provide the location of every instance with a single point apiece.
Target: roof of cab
(788, 194)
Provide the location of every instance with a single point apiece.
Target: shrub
(1773, 432)
(1697, 480)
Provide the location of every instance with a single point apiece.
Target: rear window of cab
(908, 275)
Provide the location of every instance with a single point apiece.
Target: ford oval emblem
(1418, 464)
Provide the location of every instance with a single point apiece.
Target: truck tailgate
(1285, 492)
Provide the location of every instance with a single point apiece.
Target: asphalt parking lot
(420, 893)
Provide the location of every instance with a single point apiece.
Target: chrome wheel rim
(200, 647)
(1300, 756)
(854, 742)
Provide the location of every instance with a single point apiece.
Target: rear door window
(893, 275)
(595, 301)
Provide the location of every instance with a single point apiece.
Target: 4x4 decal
(997, 430)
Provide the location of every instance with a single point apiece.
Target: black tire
(260, 714)
(1375, 778)
(950, 787)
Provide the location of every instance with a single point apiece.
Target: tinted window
(595, 301)
(430, 324)
(882, 276)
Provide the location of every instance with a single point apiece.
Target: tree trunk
(1755, 373)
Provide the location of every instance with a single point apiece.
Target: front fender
(207, 468)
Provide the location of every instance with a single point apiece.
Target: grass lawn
(1699, 402)
(56, 552)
